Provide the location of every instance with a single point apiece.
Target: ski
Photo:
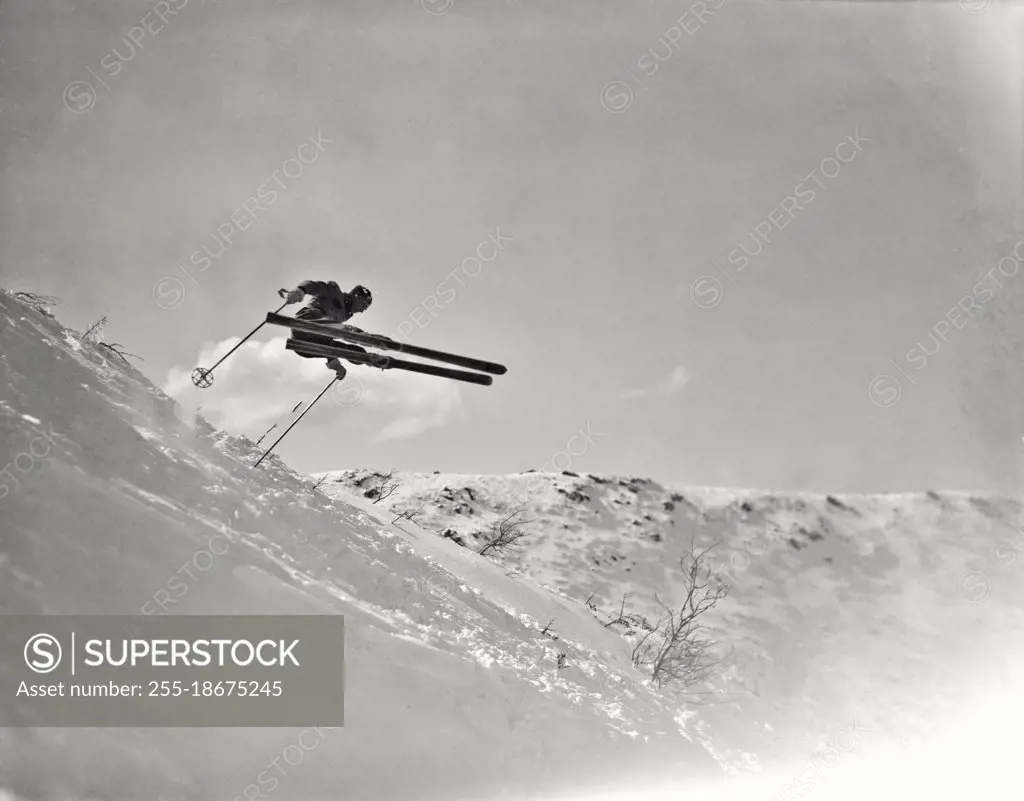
(342, 332)
(386, 362)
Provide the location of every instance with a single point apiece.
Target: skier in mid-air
(329, 304)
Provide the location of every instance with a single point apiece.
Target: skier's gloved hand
(295, 296)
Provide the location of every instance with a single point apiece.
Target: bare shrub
(93, 334)
(41, 303)
(383, 486)
(675, 650)
(409, 514)
(507, 533)
(118, 350)
(631, 622)
(95, 328)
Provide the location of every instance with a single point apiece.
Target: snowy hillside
(893, 610)
(852, 617)
(451, 689)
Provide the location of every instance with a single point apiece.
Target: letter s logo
(42, 653)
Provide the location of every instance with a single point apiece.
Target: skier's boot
(336, 365)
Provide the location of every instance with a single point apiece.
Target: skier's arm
(314, 288)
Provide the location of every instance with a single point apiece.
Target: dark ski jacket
(328, 300)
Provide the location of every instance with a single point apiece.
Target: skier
(330, 305)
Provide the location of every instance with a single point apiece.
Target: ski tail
(386, 362)
(341, 332)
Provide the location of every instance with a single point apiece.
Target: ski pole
(203, 378)
(295, 422)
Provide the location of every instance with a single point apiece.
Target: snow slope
(893, 620)
(892, 610)
(451, 690)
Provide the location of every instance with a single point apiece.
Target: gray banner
(171, 670)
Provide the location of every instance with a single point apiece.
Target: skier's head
(361, 298)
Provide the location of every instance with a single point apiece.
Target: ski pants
(306, 313)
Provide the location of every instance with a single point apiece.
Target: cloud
(262, 381)
(409, 427)
(422, 402)
(678, 378)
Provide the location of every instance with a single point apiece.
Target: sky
(738, 243)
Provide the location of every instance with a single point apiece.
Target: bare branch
(675, 650)
(631, 621)
(507, 532)
(98, 324)
(621, 618)
(117, 349)
(41, 303)
(386, 486)
(408, 514)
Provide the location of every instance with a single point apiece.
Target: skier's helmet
(361, 293)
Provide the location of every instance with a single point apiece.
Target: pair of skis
(482, 376)
(340, 331)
